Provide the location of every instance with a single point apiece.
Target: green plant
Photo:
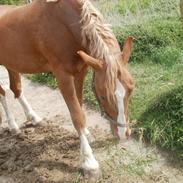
(156, 40)
(46, 78)
(163, 120)
(11, 1)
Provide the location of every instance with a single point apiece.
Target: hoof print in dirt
(29, 168)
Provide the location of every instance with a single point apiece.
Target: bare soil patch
(48, 153)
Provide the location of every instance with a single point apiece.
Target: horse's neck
(67, 13)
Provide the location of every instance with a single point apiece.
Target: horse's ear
(127, 49)
(90, 61)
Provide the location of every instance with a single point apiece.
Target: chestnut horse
(65, 37)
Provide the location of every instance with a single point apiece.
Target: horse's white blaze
(9, 115)
(120, 94)
(88, 160)
(29, 112)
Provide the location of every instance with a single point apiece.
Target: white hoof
(91, 173)
(15, 131)
(32, 116)
(14, 128)
(90, 165)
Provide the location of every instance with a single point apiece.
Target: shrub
(46, 78)
(156, 39)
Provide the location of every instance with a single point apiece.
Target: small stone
(29, 168)
(19, 163)
(27, 162)
(2, 161)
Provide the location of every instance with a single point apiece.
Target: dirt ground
(50, 153)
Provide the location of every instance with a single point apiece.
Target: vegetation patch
(163, 120)
(11, 1)
(156, 41)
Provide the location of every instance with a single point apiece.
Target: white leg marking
(10, 117)
(120, 94)
(89, 136)
(88, 160)
(29, 112)
(86, 131)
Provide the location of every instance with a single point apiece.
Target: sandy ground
(50, 153)
(47, 102)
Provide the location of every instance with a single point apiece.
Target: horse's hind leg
(15, 86)
(10, 118)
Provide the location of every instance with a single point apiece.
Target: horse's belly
(26, 65)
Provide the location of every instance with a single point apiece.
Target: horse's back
(34, 34)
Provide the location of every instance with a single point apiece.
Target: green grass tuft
(157, 41)
(12, 2)
(163, 120)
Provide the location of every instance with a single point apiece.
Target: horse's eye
(102, 97)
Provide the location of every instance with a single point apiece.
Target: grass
(124, 166)
(157, 103)
(45, 78)
(12, 2)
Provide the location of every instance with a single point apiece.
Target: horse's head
(113, 94)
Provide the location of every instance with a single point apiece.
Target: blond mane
(99, 39)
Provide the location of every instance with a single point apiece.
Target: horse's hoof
(15, 131)
(41, 123)
(34, 118)
(92, 175)
(37, 121)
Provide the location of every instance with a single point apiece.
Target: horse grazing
(65, 37)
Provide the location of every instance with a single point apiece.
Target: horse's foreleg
(67, 87)
(15, 86)
(79, 83)
(10, 118)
